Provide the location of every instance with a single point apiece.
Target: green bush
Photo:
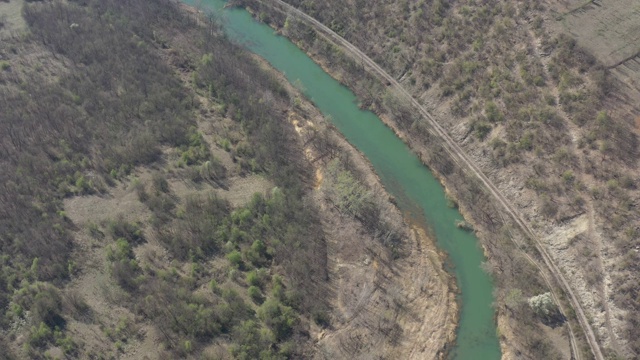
(40, 336)
(119, 228)
(252, 279)
(65, 343)
(235, 258)
(568, 177)
(492, 112)
(124, 268)
(249, 341)
(279, 318)
(255, 294)
(481, 129)
(44, 302)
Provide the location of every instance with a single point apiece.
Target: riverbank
(455, 181)
(505, 326)
(430, 335)
(346, 120)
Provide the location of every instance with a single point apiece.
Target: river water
(402, 174)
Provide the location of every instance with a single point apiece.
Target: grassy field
(610, 29)
(10, 17)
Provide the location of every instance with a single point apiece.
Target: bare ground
(609, 29)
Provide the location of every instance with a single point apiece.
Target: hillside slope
(162, 197)
(542, 117)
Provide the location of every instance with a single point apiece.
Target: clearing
(11, 20)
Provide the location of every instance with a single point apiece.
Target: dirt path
(461, 158)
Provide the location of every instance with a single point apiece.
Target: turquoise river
(399, 169)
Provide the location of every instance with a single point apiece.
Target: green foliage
(481, 129)
(206, 60)
(514, 299)
(195, 151)
(253, 279)
(124, 267)
(257, 253)
(34, 269)
(568, 177)
(119, 228)
(492, 112)
(122, 251)
(44, 302)
(526, 141)
(348, 194)
(255, 294)
(225, 144)
(202, 228)
(65, 343)
(40, 336)
(250, 341)
(83, 186)
(235, 258)
(278, 317)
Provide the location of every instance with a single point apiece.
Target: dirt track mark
(461, 158)
(592, 233)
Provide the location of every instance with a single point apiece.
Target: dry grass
(610, 30)
(93, 283)
(11, 17)
(240, 190)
